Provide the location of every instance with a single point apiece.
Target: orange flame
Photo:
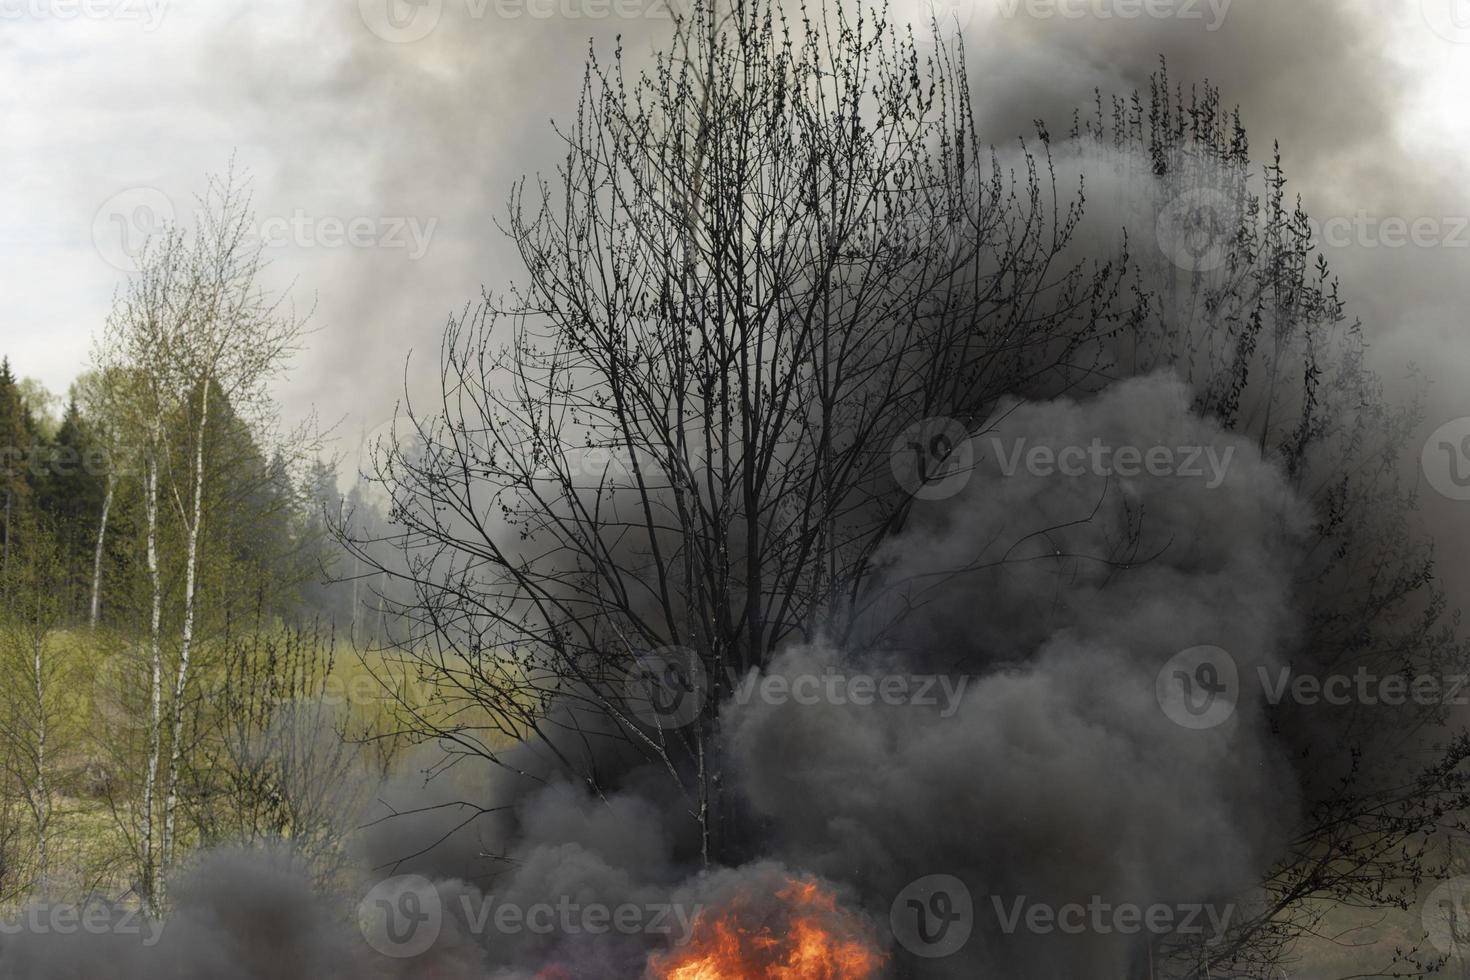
(806, 937)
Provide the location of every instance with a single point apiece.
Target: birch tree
(195, 326)
(135, 351)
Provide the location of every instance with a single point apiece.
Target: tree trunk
(97, 556)
(43, 798)
(181, 681)
(151, 875)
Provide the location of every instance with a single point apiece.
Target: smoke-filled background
(112, 116)
(1053, 775)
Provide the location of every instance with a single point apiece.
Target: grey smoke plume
(1040, 611)
(241, 916)
(1057, 777)
(467, 107)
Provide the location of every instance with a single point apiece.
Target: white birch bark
(97, 556)
(181, 681)
(42, 791)
(151, 867)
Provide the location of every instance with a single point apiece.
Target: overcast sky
(382, 136)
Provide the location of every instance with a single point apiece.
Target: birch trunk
(191, 565)
(97, 556)
(151, 869)
(43, 797)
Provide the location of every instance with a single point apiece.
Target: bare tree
(743, 289)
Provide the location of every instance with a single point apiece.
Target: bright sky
(115, 109)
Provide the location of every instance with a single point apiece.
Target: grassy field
(97, 712)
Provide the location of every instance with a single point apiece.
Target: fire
(803, 935)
